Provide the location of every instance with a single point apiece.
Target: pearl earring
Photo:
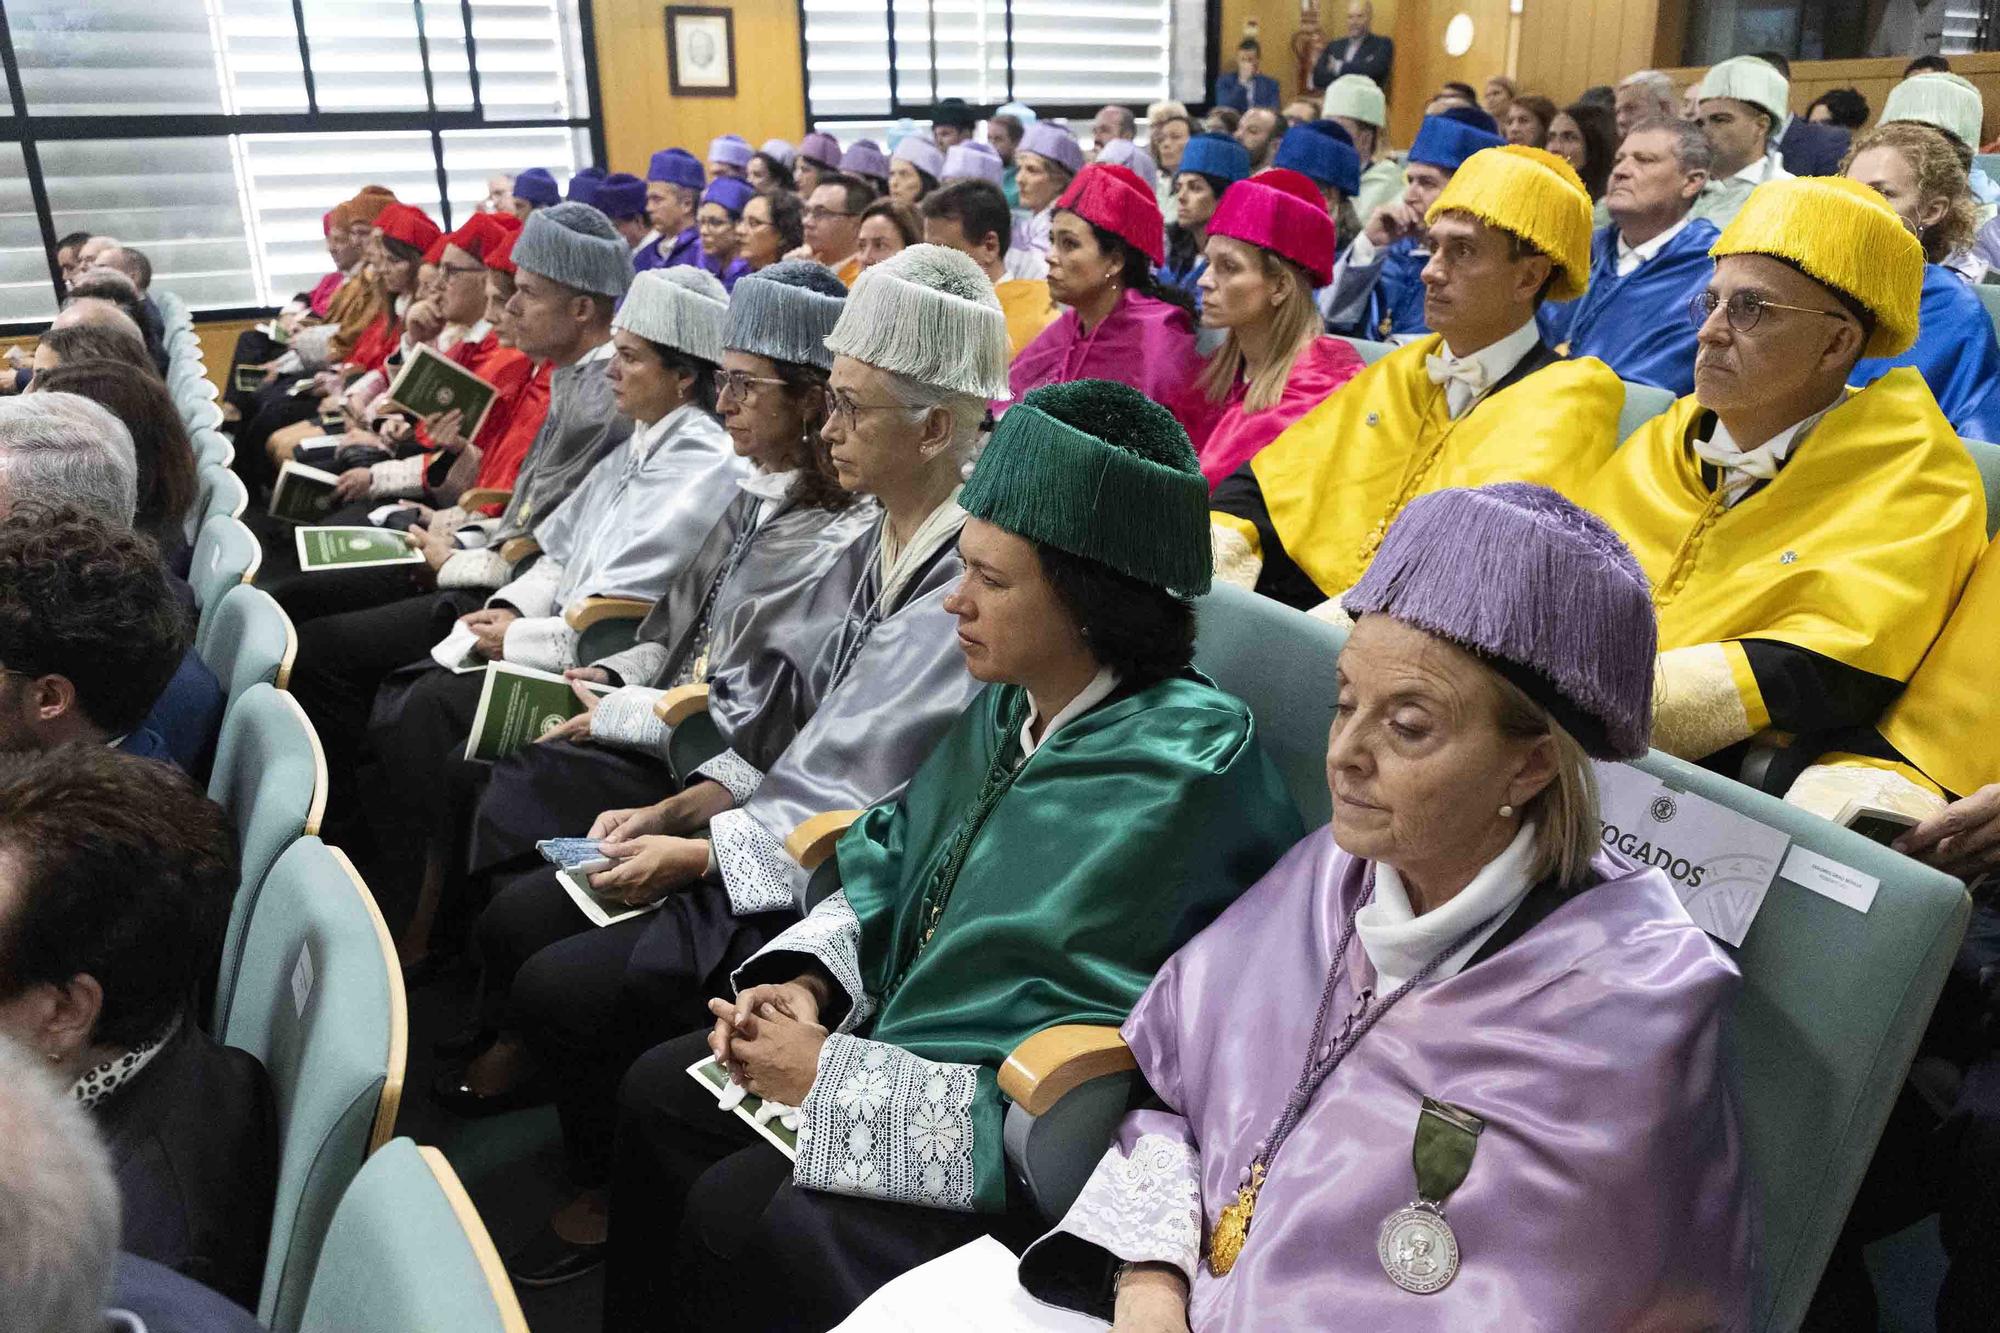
(1506, 812)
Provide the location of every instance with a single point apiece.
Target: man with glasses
(1804, 543)
(1646, 263)
(833, 224)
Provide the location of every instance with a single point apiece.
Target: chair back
(1833, 1004)
(1986, 457)
(1989, 296)
(245, 638)
(211, 448)
(219, 491)
(226, 553)
(319, 1000)
(1281, 663)
(407, 1253)
(1371, 352)
(270, 776)
(1643, 402)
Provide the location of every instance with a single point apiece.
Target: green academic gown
(1125, 832)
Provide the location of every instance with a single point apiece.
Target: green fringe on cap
(1099, 470)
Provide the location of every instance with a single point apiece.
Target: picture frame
(701, 51)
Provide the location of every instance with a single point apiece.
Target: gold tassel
(1232, 1228)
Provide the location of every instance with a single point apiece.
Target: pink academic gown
(1609, 1189)
(1144, 342)
(1325, 365)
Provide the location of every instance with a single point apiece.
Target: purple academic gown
(1609, 1189)
(660, 252)
(1144, 342)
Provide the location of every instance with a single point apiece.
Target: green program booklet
(354, 548)
(716, 1079)
(516, 705)
(303, 494)
(430, 383)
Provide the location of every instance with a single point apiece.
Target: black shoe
(549, 1261)
(465, 1043)
(449, 1090)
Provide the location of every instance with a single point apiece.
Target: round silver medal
(1417, 1249)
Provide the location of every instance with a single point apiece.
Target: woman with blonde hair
(1270, 246)
(1918, 172)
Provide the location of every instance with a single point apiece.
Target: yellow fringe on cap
(1842, 234)
(1532, 194)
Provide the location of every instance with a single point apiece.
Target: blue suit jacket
(1955, 351)
(1230, 92)
(151, 1298)
(1811, 149)
(1373, 58)
(1638, 324)
(186, 719)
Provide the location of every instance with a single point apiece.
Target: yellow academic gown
(1806, 605)
(1303, 517)
(1028, 308)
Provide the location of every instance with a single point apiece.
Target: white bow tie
(1465, 370)
(1741, 469)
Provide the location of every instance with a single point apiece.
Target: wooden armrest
(812, 841)
(517, 549)
(681, 703)
(594, 610)
(481, 496)
(1058, 1060)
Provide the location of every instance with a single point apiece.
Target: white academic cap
(1942, 101)
(682, 307)
(1357, 97)
(1748, 79)
(929, 313)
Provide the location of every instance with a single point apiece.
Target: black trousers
(590, 1000)
(424, 791)
(709, 1232)
(275, 408)
(556, 789)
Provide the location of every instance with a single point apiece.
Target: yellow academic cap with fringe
(1534, 195)
(1842, 234)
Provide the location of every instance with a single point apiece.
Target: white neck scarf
(1400, 943)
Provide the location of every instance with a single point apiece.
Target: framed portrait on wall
(701, 51)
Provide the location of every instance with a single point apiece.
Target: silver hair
(58, 1204)
(1122, 117)
(64, 449)
(967, 410)
(1691, 150)
(1659, 85)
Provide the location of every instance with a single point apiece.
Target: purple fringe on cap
(1518, 572)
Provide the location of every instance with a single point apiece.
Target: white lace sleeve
(546, 643)
(624, 718)
(394, 478)
(734, 772)
(1143, 1204)
(533, 593)
(831, 936)
(482, 568)
(884, 1123)
(644, 663)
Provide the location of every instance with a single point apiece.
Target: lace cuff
(644, 662)
(624, 718)
(830, 936)
(533, 593)
(884, 1123)
(395, 478)
(759, 874)
(483, 568)
(310, 347)
(543, 642)
(1143, 1203)
(738, 775)
(474, 534)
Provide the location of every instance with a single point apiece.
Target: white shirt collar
(1400, 943)
(1743, 468)
(1770, 167)
(771, 487)
(602, 352)
(1631, 256)
(1100, 688)
(1470, 378)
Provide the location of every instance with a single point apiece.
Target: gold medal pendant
(1233, 1227)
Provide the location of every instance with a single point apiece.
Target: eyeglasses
(818, 214)
(736, 383)
(841, 407)
(1744, 309)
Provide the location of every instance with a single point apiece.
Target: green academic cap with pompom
(1099, 470)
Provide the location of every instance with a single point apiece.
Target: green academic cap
(1099, 470)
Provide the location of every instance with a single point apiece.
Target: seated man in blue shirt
(1246, 87)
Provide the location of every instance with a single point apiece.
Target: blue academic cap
(677, 166)
(1445, 142)
(583, 186)
(537, 186)
(621, 195)
(1473, 116)
(1215, 155)
(1324, 153)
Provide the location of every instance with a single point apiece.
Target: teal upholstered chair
(1986, 457)
(211, 448)
(220, 491)
(319, 1000)
(226, 553)
(1371, 352)
(1989, 296)
(270, 776)
(1643, 402)
(246, 638)
(201, 415)
(407, 1253)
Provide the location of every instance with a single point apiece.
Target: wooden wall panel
(1421, 62)
(641, 115)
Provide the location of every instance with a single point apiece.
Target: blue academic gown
(1638, 324)
(658, 253)
(1396, 302)
(1230, 92)
(1955, 352)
